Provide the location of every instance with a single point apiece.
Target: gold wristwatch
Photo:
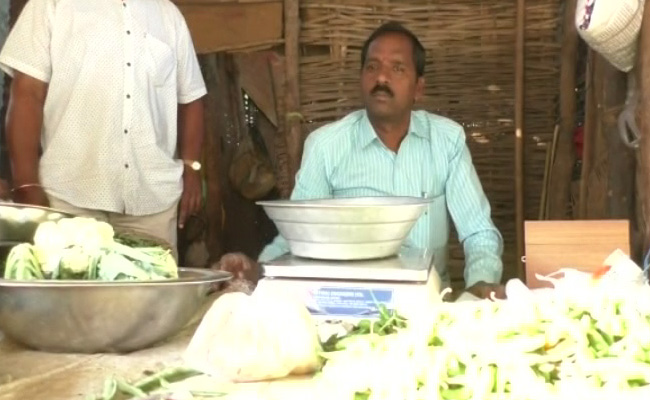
(195, 165)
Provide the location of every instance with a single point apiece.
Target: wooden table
(32, 375)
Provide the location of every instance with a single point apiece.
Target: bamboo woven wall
(470, 78)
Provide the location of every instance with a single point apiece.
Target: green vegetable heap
(116, 388)
(389, 322)
(86, 249)
(581, 345)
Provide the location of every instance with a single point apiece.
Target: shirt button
(128, 32)
(126, 131)
(126, 165)
(128, 96)
(128, 64)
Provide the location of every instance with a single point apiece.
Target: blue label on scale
(348, 302)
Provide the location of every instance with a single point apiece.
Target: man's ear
(419, 89)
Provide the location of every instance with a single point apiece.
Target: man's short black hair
(419, 56)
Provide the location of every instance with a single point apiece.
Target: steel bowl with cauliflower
(82, 248)
(81, 287)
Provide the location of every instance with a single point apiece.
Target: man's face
(389, 82)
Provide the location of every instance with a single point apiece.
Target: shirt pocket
(161, 61)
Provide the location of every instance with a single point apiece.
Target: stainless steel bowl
(101, 317)
(345, 228)
(18, 222)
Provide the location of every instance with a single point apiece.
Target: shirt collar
(367, 135)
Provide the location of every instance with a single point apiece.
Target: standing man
(110, 93)
(390, 149)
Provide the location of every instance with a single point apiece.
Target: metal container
(345, 228)
(101, 317)
(18, 222)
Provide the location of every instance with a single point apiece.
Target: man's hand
(190, 139)
(34, 195)
(192, 196)
(241, 266)
(484, 290)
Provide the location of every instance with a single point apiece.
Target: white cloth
(611, 27)
(117, 71)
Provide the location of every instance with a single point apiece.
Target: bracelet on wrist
(25, 186)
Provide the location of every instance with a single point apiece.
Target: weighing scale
(352, 290)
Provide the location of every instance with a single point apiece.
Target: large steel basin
(96, 317)
(345, 228)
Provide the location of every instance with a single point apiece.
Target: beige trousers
(161, 225)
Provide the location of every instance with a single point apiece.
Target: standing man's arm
(26, 58)
(190, 124)
(470, 210)
(190, 89)
(24, 124)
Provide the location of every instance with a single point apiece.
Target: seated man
(389, 149)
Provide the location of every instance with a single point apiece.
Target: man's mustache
(382, 88)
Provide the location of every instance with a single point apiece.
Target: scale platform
(352, 290)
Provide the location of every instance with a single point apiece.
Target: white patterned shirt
(117, 71)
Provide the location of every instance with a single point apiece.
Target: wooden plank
(257, 81)
(226, 26)
(218, 25)
(577, 233)
(560, 184)
(203, 2)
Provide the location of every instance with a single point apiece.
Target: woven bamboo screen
(470, 78)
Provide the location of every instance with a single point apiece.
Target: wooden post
(593, 83)
(212, 158)
(292, 99)
(643, 73)
(620, 193)
(622, 160)
(560, 184)
(519, 135)
(284, 179)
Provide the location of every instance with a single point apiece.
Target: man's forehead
(393, 43)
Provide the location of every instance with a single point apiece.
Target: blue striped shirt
(347, 159)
